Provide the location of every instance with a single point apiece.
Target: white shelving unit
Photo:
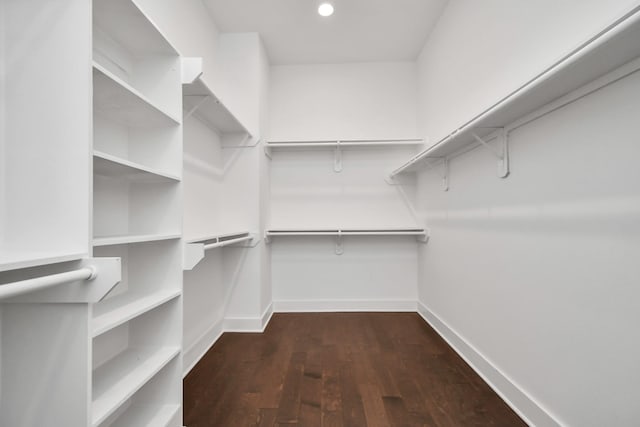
(608, 57)
(137, 203)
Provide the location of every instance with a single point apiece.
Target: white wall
(536, 274)
(348, 101)
(341, 101)
(480, 51)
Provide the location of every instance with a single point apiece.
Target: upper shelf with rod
(604, 59)
(338, 146)
(200, 101)
(195, 249)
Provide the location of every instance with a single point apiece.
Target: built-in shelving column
(137, 215)
(214, 140)
(45, 175)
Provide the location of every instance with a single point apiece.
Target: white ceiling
(358, 31)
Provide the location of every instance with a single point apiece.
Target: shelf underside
(132, 238)
(208, 108)
(129, 26)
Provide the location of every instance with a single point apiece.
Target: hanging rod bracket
(424, 238)
(339, 243)
(502, 154)
(337, 160)
(445, 175)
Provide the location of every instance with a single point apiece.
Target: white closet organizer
(206, 167)
(137, 206)
(607, 58)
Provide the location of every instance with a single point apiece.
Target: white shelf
(147, 416)
(298, 232)
(364, 143)
(116, 381)
(14, 259)
(112, 166)
(218, 237)
(198, 99)
(130, 27)
(134, 238)
(120, 309)
(613, 48)
(116, 100)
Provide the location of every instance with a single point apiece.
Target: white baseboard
(248, 324)
(197, 350)
(310, 306)
(523, 404)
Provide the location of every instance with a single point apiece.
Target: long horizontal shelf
(120, 309)
(15, 259)
(120, 102)
(198, 99)
(611, 49)
(147, 415)
(105, 164)
(217, 237)
(133, 238)
(363, 143)
(418, 232)
(117, 380)
(123, 21)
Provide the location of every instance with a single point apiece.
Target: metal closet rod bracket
(337, 159)
(339, 243)
(249, 141)
(502, 153)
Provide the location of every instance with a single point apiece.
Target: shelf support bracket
(502, 155)
(339, 243)
(445, 174)
(204, 99)
(337, 161)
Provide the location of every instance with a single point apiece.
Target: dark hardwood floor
(339, 370)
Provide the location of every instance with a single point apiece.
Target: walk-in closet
(319, 213)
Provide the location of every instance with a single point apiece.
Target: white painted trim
(310, 306)
(249, 324)
(198, 349)
(531, 411)
(266, 316)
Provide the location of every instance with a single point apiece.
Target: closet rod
(30, 285)
(227, 242)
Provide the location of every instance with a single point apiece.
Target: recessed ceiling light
(325, 9)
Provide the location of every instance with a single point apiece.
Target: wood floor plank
(374, 409)
(339, 370)
(289, 406)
